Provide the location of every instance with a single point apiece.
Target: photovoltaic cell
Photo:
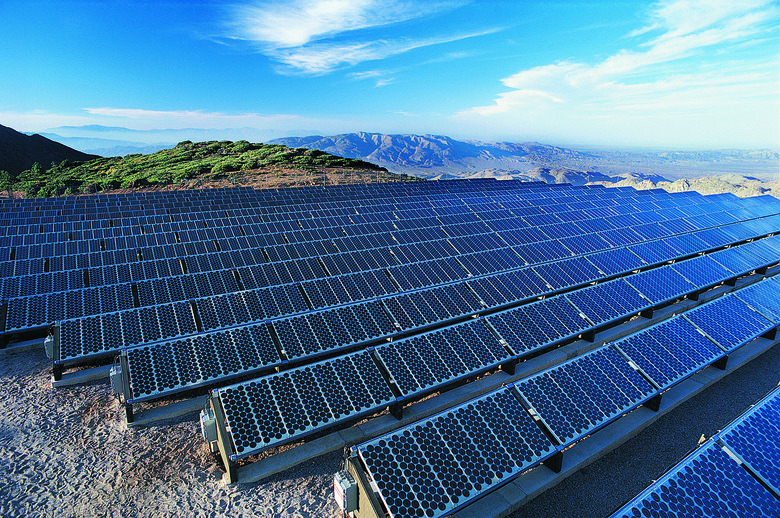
(617, 260)
(702, 271)
(416, 365)
(607, 301)
(653, 252)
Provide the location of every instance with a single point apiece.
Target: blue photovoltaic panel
(706, 483)
(669, 351)
(179, 364)
(653, 252)
(729, 321)
(737, 259)
(755, 438)
(661, 284)
(702, 271)
(567, 272)
(615, 261)
(687, 244)
(422, 362)
(764, 297)
(435, 466)
(577, 397)
(608, 301)
(278, 408)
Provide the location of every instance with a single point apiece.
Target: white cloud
(686, 63)
(286, 24)
(316, 37)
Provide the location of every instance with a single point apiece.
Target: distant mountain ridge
(18, 152)
(431, 156)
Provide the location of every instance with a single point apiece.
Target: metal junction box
(345, 491)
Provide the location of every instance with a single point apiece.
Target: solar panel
(416, 365)
(754, 438)
(707, 483)
(661, 284)
(713, 319)
(567, 272)
(653, 252)
(575, 398)
(669, 351)
(702, 271)
(764, 297)
(608, 301)
(278, 408)
(433, 467)
(615, 261)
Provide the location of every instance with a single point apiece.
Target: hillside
(545, 174)
(203, 164)
(741, 186)
(430, 156)
(19, 152)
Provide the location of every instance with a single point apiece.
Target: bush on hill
(185, 161)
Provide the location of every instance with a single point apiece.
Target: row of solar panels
(43, 210)
(55, 274)
(208, 216)
(32, 311)
(442, 463)
(734, 473)
(53, 244)
(526, 198)
(110, 332)
(525, 329)
(38, 258)
(254, 274)
(422, 362)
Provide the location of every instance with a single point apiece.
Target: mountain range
(19, 152)
(431, 156)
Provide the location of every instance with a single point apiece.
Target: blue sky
(675, 74)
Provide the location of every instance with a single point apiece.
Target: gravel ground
(602, 487)
(65, 452)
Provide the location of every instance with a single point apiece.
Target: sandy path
(65, 452)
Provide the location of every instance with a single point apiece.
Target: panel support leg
(654, 403)
(555, 463)
(771, 334)
(720, 363)
(397, 410)
(648, 313)
(509, 367)
(129, 413)
(56, 372)
(693, 296)
(589, 336)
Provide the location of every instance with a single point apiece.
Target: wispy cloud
(691, 58)
(315, 37)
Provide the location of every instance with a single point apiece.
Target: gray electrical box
(345, 491)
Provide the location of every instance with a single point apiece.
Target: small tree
(6, 182)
